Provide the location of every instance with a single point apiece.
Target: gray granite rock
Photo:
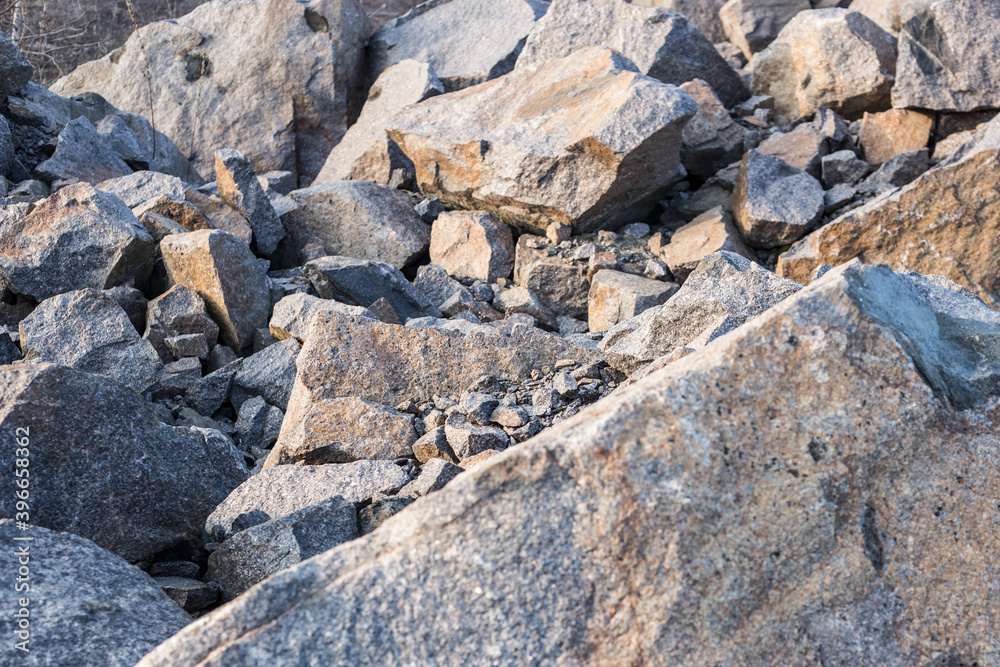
(15, 71)
(82, 154)
(293, 314)
(433, 476)
(752, 25)
(177, 312)
(239, 187)
(843, 168)
(268, 374)
(362, 283)
(774, 203)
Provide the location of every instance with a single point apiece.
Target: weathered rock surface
(81, 154)
(460, 58)
(775, 203)
(472, 245)
(616, 296)
(293, 314)
(15, 72)
(947, 55)
(843, 167)
(724, 287)
(342, 430)
(88, 331)
(655, 41)
(710, 232)
(561, 285)
(366, 153)
(117, 460)
(86, 605)
(884, 12)
(358, 219)
(945, 223)
(712, 139)
(272, 78)
(226, 275)
(258, 552)
(77, 238)
(803, 148)
(827, 528)
(142, 186)
(885, 135)
(831, 57)
(281, 490)
(581, 141)
(268, 373)
(362, 283)
(178, 312)
(703, 14)
(753, 24)
(239, 187)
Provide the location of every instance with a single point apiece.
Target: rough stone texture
(803, 148)
(580, 141)
(141, 186)
(178, 311)
(884, 12)
(15, 72)
(293, 314)
(492, 35)
(342, 430)
(272, 78)
(703, 14)
(710, 232)
(775, 203)
(522, 300)
(560, 285)
(890, 133)
(88, 331)
(945, 222)
(433, 477)
(239, 187)
(383, 363)
(77, 238)
(435, 283)
(362, 283)
(712, 139)
(358, 219)
(473, 245)
(617, 296)
(220, 215)
(829, 57)
(208, 394)
(947, 56)
(724, 286)
(753, 24)
(682, 524)
(86, 605)
(81, 154)
(268, 373)
(366, 153)
(434, 445)
(256, 553)
(897, 172)
(226, 275)
(468, 439)
(655, 41)
(843, 167)
(98, 450)
(279, 491)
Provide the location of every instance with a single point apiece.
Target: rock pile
(593, 332)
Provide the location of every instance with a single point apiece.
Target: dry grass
(58, 35)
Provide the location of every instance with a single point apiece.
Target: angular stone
(272, 78)
(358, 219)
(831, 57)
(843, 167)
(945, 222)
(712, 139)
(15, 71)
(723, 286)
(607, 140)
(342, 430)
(461, 58)
(884, 12)
(268, 373)
(775, 203)
(282, 490)
(226, 275)
(75, 239)
(946, 53)
(239, 187)
(803, 148)
(890, 133)
(433, 476)
(88, 331)
(142, 186)
(192, 595)
(188, 345)
(159, 482)
(178, 312)
(220, 215)
(293, 314)
(258, 552)
(366, 153)
(434, 445)
(467, 439)
(897, 172)
(381, 510)
(617, 296)
(208, 394)
(521, 300)
(655, 41)
(472, 245)
(710, 232)
(362, 283)
(258, 424)
(81, 154)
(435, 283)
(561, 285)
(753, 24)
(132, 301)
(837, 197)
(98, 609)
(703, 14)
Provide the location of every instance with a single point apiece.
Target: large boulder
(466, 41)
(275, 79)
(85, 606)
(581, 141)
(945, 222)
(802, 491)
(947, 56)
(751, 25)
(77, 238)
(655, 41)
(98, 450)
(828, 57)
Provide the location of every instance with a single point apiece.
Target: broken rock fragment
(775, 203)
(616, 296)
(239, 187)
(178, 312)
(894, 132)
(472, 245)
(710, 232)
(362, 283)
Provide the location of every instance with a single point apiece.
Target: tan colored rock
(712, 139)
(884, 12)
(803, 148)
(616, 296)
(366, 153)
(220, 215)
(226, 275)
(581, 141)
(753, 24)
(946, 222)
(710, 232)
(238, 186)
(293, 314)
(473, 245)
(894, 132)
(834, 58)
